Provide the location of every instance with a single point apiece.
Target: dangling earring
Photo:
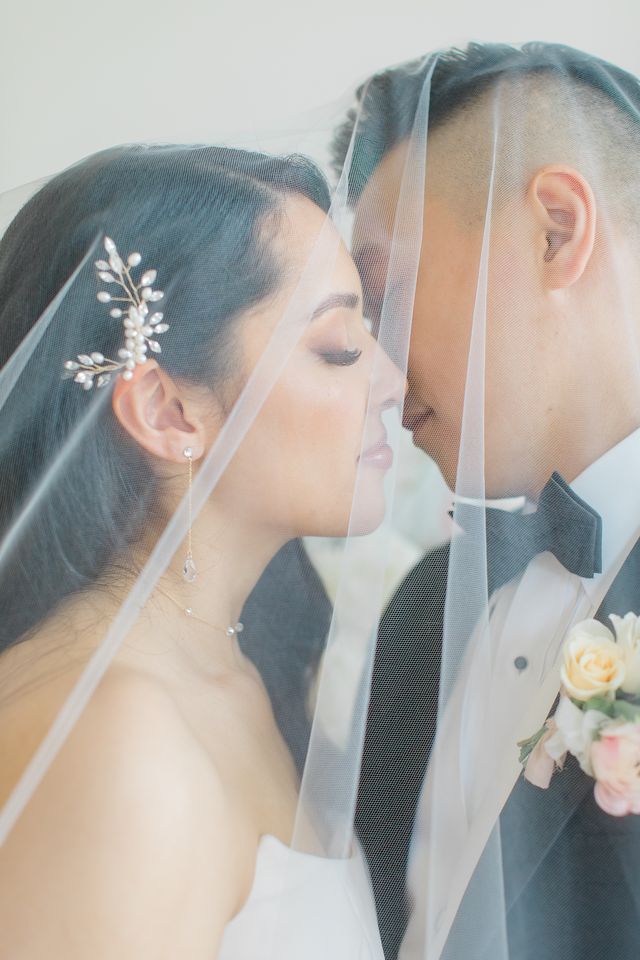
(189, 570)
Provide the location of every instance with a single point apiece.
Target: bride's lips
(379, 455)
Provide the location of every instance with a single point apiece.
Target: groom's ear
(564, 210)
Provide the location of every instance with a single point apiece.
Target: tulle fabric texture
(491, 641)
(314, 650)
(484, 706)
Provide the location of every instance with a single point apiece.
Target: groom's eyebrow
(336, 300)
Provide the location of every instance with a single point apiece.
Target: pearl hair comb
(140, 328)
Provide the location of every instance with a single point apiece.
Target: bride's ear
(151, 409)
(564, 209)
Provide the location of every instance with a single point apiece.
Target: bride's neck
(229, 557)
(230, 554)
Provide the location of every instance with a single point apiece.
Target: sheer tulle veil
(448, 145)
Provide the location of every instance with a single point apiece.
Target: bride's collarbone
(233, 718)
(227, 716)
(143, 750)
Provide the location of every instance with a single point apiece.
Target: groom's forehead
(410, 178)
(376, 211)
(382, 191)
(396, 213)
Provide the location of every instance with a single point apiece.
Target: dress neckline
(270, 838)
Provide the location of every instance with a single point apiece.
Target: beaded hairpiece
(140, 329)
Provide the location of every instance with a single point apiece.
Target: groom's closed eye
(392, 301)
(371, 267)
(372, 309)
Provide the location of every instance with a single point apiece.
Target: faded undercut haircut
(551, 103)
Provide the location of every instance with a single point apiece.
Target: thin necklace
(230, 631)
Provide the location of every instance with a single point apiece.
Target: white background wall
(78, 75)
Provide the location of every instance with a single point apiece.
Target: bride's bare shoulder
(131, 816)
(131, 746)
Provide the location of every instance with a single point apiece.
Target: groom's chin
(446, 461)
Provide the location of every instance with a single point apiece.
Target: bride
(163, 827)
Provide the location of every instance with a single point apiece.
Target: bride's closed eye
(340, 358)
(331, 321)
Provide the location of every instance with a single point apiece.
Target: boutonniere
(598, 715)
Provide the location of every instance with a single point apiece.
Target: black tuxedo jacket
(286, 620)
(582, 876)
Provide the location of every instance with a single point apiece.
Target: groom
(570, 405)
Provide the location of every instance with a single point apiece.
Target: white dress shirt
(474, 763)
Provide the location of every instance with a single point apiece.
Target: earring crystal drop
(189, 570)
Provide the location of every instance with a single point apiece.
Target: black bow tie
(563, 524)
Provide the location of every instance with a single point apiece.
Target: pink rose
(616, 767)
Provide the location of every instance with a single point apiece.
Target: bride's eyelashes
(332, 337)
(340, 358)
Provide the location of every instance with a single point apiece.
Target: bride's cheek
(321, 410)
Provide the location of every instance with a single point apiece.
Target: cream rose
(628, 639)
(594, 664)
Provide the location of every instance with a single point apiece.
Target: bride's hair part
(206, 218)
(557, 81)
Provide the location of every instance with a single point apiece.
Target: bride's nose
(389, 382)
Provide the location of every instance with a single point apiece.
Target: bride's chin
(366, 527)
(365, 519)
(347, 516)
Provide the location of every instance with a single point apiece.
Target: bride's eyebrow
(349, 300)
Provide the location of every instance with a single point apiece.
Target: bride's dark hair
(206, 218)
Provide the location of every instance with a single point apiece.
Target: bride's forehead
(309, 242)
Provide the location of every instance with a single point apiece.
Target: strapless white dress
(304, 907)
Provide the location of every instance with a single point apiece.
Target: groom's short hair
(607, 96)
